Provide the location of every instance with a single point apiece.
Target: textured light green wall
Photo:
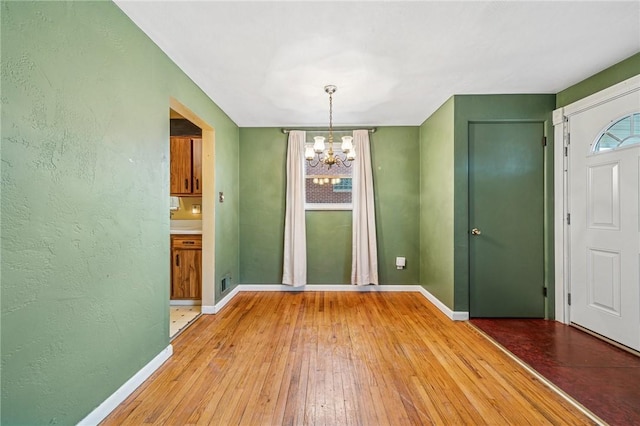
(394, 152)
(263, 153)
(495, 108)
(615, 74)
(436, 198)
(395, 156)
(85, 139)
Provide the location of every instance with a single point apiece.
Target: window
(328, 189)
(621, 134)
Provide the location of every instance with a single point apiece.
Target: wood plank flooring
(339, 358)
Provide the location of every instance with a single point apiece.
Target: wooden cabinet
(186, 165)
(186, 267)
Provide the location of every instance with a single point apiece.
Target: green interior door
(506, 208)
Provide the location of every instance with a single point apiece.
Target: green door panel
(506, 206)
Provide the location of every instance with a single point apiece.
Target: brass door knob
(475, 231)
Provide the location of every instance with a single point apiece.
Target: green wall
(436, 197)
(263, 153)
(395, 164)
(495, 108)
(444, 214)
(614, 74)
(85, 141)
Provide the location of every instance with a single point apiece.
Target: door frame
(561, 185)
(208, 204)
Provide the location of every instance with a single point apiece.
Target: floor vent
(226, 282)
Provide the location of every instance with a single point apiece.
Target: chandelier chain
(331, 121)
(329, 159)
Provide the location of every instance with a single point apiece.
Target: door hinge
(566, 151)
(569, 299)
(568, 218)
(544, 141)
(544, 291)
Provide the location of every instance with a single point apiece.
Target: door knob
(475, 231)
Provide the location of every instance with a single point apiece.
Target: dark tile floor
(602, 377)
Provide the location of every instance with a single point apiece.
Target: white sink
(186, 227)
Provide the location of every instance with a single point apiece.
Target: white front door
(604, 251)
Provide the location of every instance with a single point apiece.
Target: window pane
(622, 133)
(322, 191)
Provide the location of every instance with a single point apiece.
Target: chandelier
(329, 158)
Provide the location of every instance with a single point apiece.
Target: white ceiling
(394, 62)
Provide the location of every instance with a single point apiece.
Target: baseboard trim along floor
(453, 315)
(110, 404)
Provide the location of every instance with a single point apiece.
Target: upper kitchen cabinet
(186, 165)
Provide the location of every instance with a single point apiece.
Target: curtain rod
(337, 129)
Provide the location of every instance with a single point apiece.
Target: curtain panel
(364, 266)
(294, 267)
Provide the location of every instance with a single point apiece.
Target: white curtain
(364, 266)
(294, 268)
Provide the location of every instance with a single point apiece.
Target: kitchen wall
(395, 163)
(185, 212)
(85, 142)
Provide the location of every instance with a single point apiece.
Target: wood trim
(597, 420)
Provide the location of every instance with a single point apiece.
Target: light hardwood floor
(339, 358)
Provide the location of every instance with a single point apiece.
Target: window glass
(624, 132)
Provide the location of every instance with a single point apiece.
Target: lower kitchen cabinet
(186, 267)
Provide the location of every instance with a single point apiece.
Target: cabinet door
(180, 159)
(196, 155)
(186, 280)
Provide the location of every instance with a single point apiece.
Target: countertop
(186, 227)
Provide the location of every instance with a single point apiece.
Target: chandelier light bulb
(318, 145)
(308, 153)
(347, 144)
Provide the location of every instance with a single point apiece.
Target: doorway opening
(191, 187)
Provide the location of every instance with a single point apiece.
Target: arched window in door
(621, 134)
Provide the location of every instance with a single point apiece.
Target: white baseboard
(109, 404)
(208, 310)
(221, 304)
(453, 315)
(326, 287)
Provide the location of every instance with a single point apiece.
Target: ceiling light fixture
(329, 158)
